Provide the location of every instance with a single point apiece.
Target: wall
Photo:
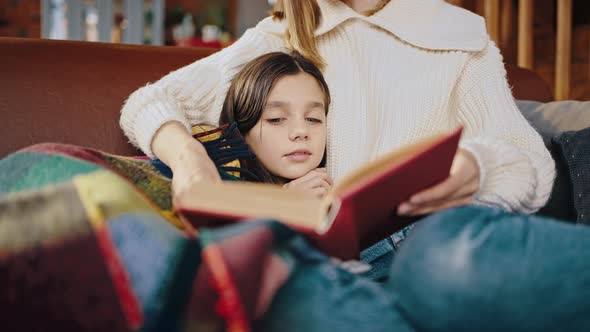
(251, 12)
(20, 18)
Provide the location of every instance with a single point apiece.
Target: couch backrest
(72, 92)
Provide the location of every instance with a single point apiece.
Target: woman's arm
(516, 171)
(186, 157)
(192, 94)
(502, 160)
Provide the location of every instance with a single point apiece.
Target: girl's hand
(457, 190)
(316, 183)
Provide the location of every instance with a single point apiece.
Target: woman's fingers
(428, 202)
(422, 210)
(458, 188)
(438, 192)
(464, 179)
(449, 189)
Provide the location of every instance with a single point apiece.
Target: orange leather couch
(72, 92)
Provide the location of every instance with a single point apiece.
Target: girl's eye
(314, 120)
(274, 120)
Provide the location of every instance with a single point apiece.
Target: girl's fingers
(319, 191)
(317, 178)
(301, 181)
(312, 178)
(321, 172)
(319, 182)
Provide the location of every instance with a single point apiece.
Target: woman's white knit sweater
(415, 68)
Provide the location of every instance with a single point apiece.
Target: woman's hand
(316, 183)
(457, 190)
(191, 166)
(186, 156)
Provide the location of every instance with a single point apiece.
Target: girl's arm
(516, 171)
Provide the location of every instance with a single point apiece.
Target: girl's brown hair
(302, 17)
(249, 91)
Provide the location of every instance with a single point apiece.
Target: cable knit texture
(415, 68)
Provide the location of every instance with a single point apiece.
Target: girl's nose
(299, 131)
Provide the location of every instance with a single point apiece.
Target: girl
(280, 103)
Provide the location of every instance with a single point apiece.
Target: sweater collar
(429, 24)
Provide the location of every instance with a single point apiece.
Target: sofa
(72, 92)
(91, 252)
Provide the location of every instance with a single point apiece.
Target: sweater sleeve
(516, 170)
(192, 94)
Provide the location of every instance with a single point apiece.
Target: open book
(359, 210)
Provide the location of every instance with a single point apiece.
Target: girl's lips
(300, 155)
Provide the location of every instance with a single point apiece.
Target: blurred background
(156, 22)
(552, 37)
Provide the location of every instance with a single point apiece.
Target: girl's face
(290, 137)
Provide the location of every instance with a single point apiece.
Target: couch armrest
(72, 92)
(528, 85)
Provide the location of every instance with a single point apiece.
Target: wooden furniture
(499, 16)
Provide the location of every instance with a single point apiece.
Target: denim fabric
(477, 269)
(466, 269)
(380, 255)
(321, 296)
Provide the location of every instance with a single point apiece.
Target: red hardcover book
(359, 210)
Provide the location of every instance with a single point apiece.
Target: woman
(412, 68)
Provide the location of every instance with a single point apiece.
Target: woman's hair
(302, 17)
(249, 91)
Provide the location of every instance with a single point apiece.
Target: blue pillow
(573, 148)
(551, 119)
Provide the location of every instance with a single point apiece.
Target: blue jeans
(466, 269)
(380, 255)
